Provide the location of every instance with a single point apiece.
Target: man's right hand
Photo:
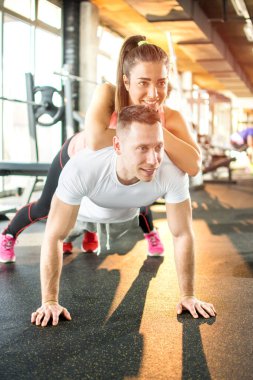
(47, 311)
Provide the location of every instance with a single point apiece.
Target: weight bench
(24, 169)
(220, 161)
(34, 170)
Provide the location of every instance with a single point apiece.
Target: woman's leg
(155, 246)
(38, 210)
(146, 220)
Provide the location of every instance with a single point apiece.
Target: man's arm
(180, 223)
(61, 219)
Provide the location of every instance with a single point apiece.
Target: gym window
(31, 42)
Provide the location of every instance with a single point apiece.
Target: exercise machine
(36, 116)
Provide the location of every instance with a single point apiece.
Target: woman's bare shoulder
(104, 96)
(107, 89)
(171, 113)
(173, 118)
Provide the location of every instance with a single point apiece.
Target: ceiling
(207, 35)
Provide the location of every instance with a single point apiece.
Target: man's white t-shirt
(89, 179)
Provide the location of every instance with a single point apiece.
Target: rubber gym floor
(124, 324)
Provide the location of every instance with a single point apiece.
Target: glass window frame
(34, 25)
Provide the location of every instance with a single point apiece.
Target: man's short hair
(140, 114)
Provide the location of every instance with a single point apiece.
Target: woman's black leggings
(39, 210)
(146, 220)
(35, 211)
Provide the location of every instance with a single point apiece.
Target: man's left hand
(196, 307)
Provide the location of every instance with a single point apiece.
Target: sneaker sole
(89, 251)
(155, 254)
(8, 261)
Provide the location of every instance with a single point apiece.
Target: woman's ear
(126, 82)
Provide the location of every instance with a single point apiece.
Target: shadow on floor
(194, 364)
(235, 223)
(90, 346)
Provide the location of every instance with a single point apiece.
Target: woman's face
(147, 84)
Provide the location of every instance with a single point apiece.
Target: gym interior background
(39, 37)
(83, 38)
(128, 328)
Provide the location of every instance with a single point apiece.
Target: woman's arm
(179, 144)
(98, 116)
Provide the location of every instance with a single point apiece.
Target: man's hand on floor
(49, 311)
(196, 307)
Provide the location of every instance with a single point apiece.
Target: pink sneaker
(155, 246)
(7, 243)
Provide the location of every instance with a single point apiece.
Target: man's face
(140, 152)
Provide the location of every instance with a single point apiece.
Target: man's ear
(126, 82)
(116, 145)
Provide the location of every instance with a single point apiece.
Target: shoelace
(154, 240)
(7, 244)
